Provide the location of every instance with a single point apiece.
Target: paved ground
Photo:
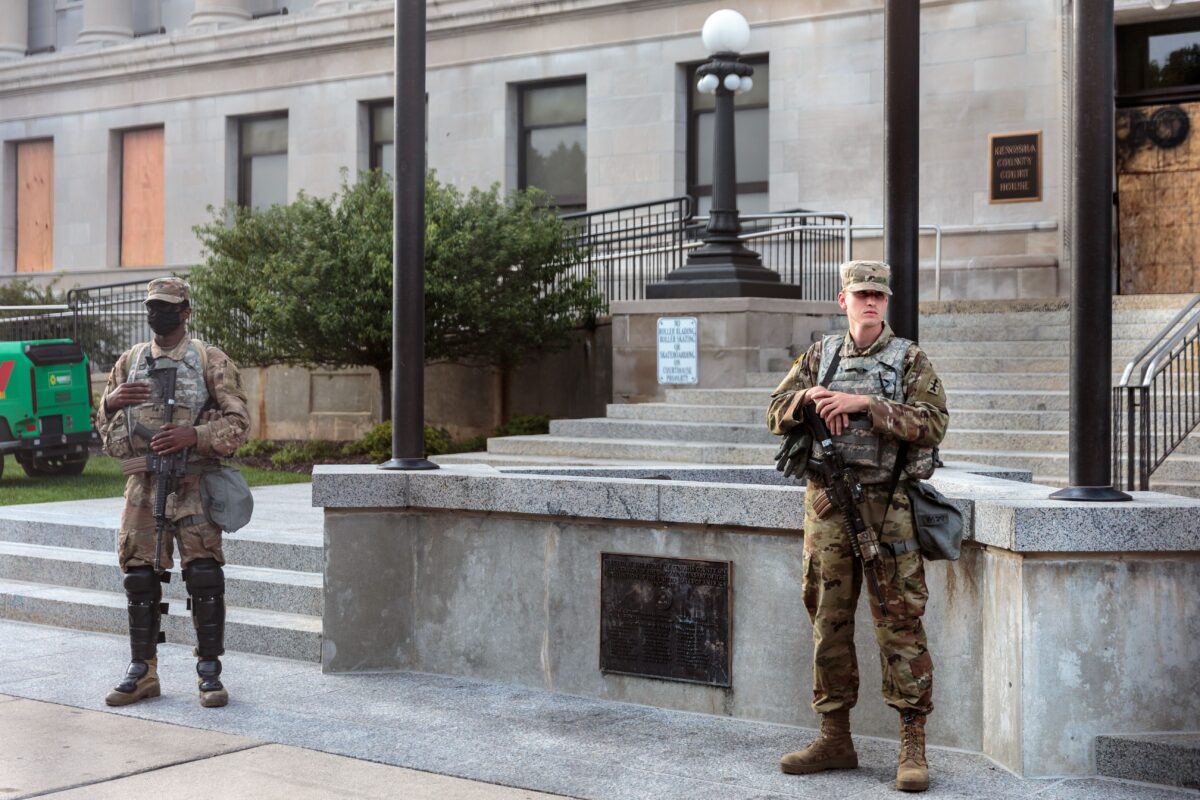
(291, 732)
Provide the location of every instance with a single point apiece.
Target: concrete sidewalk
(292, 732)
(50, 750)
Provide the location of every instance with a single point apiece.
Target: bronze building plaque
(668, 618)
(1015, 167)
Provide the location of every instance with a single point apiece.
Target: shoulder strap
(897, 470)
(833, 365)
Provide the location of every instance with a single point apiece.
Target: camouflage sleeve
(105, 419)
(790, 392)
(226, 428)
(923, 418)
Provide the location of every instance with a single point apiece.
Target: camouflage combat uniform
(219, 433)
(832, 578)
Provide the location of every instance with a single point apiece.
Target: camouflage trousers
(832, 583)
(197, 537)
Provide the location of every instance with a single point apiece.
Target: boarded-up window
(142, 198)
(35, 206)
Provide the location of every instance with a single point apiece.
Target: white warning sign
(678, 349)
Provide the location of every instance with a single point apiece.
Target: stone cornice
(369, 24)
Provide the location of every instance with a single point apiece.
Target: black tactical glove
(793, 453)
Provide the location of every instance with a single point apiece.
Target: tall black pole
(901, 125)
(1090, 424)
(408, 243)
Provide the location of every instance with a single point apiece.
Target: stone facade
(986, 67)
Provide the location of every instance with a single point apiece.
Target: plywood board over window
(142, 198)
(1158, 191)
(35, 206)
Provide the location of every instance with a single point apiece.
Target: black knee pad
(205, 578)
(142, 583)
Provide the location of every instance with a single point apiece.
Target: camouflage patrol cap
(170, 290)
(866, 276)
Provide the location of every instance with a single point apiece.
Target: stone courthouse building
(122, 121)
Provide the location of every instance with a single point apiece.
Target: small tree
(311, 282)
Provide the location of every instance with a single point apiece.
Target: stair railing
(1156, 403)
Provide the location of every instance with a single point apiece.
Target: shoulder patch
(935, 386)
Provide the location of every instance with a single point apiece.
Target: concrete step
(518, 460)
(992, 419)
(658, 430)
(1005, 400)
(1024, 331)
(252, 546)
(271, 633)
(1178, 468)
(636, 450)
(1169, 759)
(958, 397)
(1000, 439)
(757, 397)
(250, 587)
(982, 378)
(678, 412)
(1123, 350)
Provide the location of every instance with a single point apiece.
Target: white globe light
(732, 82)
(1160, 5)
(747, 84)
(725, 31)
(708, 84)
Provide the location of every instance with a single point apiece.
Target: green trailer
(45, 406)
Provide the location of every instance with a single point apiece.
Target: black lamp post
(1089, 440)
(408, 244)
(723, 266)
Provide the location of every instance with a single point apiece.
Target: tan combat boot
(912, 771)
(141, 681)
(833, 748)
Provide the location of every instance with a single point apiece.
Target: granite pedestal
(1059, 623)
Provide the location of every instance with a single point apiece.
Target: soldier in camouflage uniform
(211, 419)
(883, 391)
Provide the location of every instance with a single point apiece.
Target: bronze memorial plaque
(667, 618)
(1015, 167)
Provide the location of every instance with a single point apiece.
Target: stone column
(106, 21)
(14, 29)
(219, 12)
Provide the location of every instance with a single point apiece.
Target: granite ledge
(1006, 514)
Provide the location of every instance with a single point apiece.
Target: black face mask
(163, 320)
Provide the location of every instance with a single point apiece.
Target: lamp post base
(723, 270)
(1092, 494)
(408, 464)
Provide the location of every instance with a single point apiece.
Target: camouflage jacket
(921, 419)
(219, 433)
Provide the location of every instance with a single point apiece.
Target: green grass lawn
(101, 478)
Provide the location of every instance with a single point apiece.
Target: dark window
(553, 141)
(1158, 62)
(750, 119)
(262, 161)
(383, 133)
(381, 128)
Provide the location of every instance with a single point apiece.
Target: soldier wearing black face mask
(209, 420)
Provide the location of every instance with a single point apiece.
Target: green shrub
(305, 453)
(524, 425)
(257, 447)
(376, 444)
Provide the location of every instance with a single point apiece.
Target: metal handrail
(1154, 342)
(1156, 402)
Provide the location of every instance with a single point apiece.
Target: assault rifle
(166, 469)
(846, 494)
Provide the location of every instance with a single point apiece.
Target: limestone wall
(986, 67)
